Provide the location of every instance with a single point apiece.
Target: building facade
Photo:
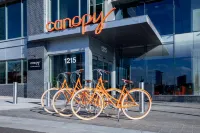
(155, 41)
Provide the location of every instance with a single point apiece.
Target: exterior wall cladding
(35, 25)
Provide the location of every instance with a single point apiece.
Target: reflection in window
(183, 76)
(25, 16)
(67, 63)
(54, 10)
(14, 71)
(129, 10)
(2, 23)
(161, 14)
(84, 6)
(2, 72)
(69, 8)
(14, 20)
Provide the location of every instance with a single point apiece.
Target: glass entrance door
(102, 63)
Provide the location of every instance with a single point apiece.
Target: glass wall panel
(129, 10)
(161, 14)
(14, 20)
(25, 16)
(196, 63)
(67, 63)
(187, 14)
(84, 6)
(14, 71)
(54, 10)
(2, 23)
(183, 76)
(69, 8)
(2, 72)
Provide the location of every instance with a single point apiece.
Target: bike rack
(15, 88)
(141, 98)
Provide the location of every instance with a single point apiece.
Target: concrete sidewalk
(165, 117)
(59, 127)
(6, 103)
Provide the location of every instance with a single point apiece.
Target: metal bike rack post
(141, 98)
(15, 87)
(48, 95)
(57, 84)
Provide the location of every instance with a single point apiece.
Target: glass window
(161, 14)
(14, 20)
(84, 6)
(25, 17)
(2, 72)
(14, 71)
(2, 23)
(54, 10)
(183, 16)
(67, 63)
(129, 10)
(25, 71)
(69, 8)
(183, 76)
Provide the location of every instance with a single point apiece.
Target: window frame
(22, 21)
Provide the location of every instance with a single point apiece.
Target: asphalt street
(13, 130)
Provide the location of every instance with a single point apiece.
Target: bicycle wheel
(48, 109)
(132, 107)
(61, 102)
(89, 103)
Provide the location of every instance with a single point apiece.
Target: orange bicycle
(129, 101)
(61, 100)
(63, 96)
(50, 92)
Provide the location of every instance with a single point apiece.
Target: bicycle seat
(127, 81)
(105, 81)
(68, 73)
(88, 81)
(81, 70)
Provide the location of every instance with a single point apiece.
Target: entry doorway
(100, 62)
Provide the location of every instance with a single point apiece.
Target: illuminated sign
(61, 24)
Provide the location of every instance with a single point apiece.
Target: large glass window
(129, 10)
(84, 5)
(2, 23)
(2, 72)
(161, 14)
(14, 20)
(25, 17)
(67, 63)
(14, 71)
(69, 8)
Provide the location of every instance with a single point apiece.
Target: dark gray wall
(7, 90)
(177, 98)
(35, 81)
(35, 16)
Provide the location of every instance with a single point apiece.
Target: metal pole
(15, 92)
(141, 85)
(48, 95)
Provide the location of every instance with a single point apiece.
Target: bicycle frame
(112, 100)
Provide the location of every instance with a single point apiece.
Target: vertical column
(88, 64)
(113, 74)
